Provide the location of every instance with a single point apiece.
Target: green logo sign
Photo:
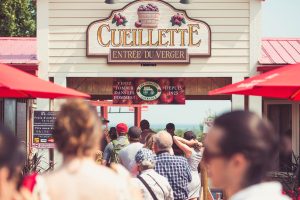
(148, 91)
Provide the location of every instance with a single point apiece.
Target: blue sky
(281, 18)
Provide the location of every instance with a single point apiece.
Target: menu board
(43, 123)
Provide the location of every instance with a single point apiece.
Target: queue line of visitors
(239, 151)
(175, 169)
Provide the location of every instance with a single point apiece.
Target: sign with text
(148, 91)
(148, 31)
(148, 55)
(43, 123)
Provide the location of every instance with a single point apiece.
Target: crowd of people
(140, 164)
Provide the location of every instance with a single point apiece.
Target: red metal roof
(18, 50)
(280, 51)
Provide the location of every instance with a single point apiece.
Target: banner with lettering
(148, 91)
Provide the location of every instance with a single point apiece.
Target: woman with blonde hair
(193, 151)
(77, 133)
(149, 140)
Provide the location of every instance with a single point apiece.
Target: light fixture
(110, 1)
(185, 1)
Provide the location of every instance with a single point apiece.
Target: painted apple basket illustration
(148, 16)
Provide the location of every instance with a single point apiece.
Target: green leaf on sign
(113, 21)
(183, 21)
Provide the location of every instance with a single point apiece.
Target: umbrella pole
(51, 150)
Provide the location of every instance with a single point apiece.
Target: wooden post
(30, 124)
(104, 111)
(137, 115)
(51, 150)
(204, 182)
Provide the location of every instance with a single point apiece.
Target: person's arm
(185, 148)
(106, 154)
(184, 141)
(188, 171)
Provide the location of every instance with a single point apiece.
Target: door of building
(284, 115)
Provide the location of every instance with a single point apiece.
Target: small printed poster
(148, 91)
(43, 123)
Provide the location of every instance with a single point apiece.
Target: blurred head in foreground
(12, 158)
(77, 129)
(239, 150)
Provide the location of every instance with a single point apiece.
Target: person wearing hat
(111, 151)
(152, 185)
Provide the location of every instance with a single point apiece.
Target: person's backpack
(117, 146)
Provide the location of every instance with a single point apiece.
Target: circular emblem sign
(148, 91)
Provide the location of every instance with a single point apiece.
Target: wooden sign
(148, 31)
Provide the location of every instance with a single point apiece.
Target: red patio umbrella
(283, 82)
(15, 83)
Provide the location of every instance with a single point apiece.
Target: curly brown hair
(77, 129)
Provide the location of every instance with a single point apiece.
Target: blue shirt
(177, 171)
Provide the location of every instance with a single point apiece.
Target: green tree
(17, 18)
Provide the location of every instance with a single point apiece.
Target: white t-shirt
(158, 184)
(127, 156)
(262, 191)
(85, 180)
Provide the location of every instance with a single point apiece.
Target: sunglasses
(209, 155)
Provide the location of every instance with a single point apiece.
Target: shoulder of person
(109, 146)
(139, 144)
(162, 179)
(181, 158)
(123, 151)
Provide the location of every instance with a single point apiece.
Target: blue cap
(144, 155)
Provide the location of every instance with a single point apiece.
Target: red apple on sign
(153, 102)
(125, 101)
(139, 81)
(166, 98)
(180, 98)
(179, 83)
(164, 82)
(138, 24)
(117, 17)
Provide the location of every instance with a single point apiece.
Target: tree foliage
(17, 18)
